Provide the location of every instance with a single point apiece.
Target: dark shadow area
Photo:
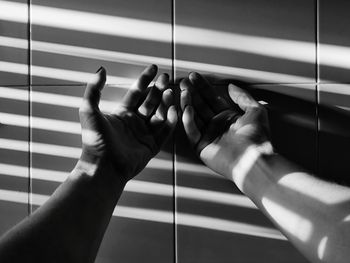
(293, 123)
(334, 144)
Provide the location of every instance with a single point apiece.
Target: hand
(130, 136)
(219, 130)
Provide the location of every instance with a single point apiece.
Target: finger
(217, 127)
(191, 129)
(161, 113)
(242, 98)
(201, 107)
(168, 127)
(136, 94)
(162, 82)
(185, 100)
(185, 97)
(210, 95)
(151, 102)
(154, 97)
(93, 89)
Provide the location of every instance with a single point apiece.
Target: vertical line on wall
(173, 40)
(317, 75)
(29, 107)
(174, 199)
(174, 134)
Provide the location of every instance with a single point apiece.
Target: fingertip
(162, 81)
(168, 92)
(234, 91)
(98, 79)
(193, 76)
(172, 115)
(233, 87)
(93, 89)
(166, 75)
(241, 97)
(102, 72)
(153, 68)
(183, 84)
(150, 71)
(186, 84)
(168, 97)
(99, 69)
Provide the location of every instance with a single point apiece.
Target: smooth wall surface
(176, 210)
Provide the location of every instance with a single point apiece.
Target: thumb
(242, 98)
(93, 89)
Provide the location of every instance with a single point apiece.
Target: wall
(292, 54)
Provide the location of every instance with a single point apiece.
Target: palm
(135, 131)
(215, 126)
(135, 145)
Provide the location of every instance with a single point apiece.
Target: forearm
(69, 227)
(309, 211)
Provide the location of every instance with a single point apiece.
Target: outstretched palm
(221, 126)
(131, 135)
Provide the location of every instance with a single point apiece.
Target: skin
(313, 214)
(230, 133)
(70, 226)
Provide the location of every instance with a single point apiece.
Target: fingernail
(100, 68)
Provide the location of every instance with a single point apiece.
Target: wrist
(101, 178)
(251, 159)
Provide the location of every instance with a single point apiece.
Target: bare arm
(313, 214)
(70, 226)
